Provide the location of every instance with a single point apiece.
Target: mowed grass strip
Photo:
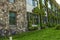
(45, 34)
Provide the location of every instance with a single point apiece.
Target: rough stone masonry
(19, 7)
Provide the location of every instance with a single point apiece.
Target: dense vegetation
(51, 20)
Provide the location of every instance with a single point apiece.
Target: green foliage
(57, 27)
(31, 28)
(51, 24)
(30, 23)
(36, 10)
(44, 26)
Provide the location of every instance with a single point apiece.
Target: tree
(38, 11)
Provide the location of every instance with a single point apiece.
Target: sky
(58, 1)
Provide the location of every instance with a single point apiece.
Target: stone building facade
(17, 8)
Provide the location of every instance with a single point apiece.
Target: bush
(33, 28)
(51, 24)
(57, 27)
(44, 26)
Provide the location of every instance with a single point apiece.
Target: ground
(45, 34)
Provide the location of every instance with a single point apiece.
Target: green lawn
(46, 34)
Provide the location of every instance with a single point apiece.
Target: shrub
(57, 27)
(51, 24)
(44, 26)
(33, 28)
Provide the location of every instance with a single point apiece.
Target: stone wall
(19, 6)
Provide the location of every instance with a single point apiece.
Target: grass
(45, 34)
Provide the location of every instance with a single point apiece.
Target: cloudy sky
(58, 1)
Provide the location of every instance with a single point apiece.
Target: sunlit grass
(45, 34)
